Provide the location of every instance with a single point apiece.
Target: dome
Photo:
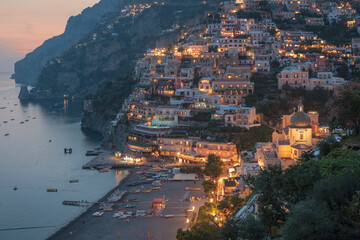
(300, 118)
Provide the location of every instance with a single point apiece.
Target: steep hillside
(113, 47)
(28, 69)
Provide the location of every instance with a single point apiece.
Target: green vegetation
(110, 98)
(346, 107)
(250, 228)
(213, 167)
(278, 104)
(209, 186)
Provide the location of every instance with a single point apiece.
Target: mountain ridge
(28, 69)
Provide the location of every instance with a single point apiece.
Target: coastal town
(245, 92)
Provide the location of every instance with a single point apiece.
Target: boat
(146, 190)
(7, 134)
(193, 189)
(15, 188)
(98, 214)
(12, 119)
(21, 122)
(107, 207)
(51, 190)
(92, 153)
(118, 214)
(116, 196)
(140, 213)
(135, 191)
(5, 121)
(133, 200)
(155, 188)
(74, 181)
(157, 183)
(26, 120)
(130, 206)
(104, 170)
(169, 216)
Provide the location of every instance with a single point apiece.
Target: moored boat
(98, 214)
(51, 190)
(146, 190)
(135, 191)
(169, 216)
(74, 181)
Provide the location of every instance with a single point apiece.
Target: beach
(177, 194)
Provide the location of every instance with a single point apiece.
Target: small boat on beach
(146, 191)
(51, 190)
(169, 216)
(118, 214)
(98, 214)
(157, 183)
(74, 181)
(130, 206)
(135, 191)
(155, 188)
(107, 207)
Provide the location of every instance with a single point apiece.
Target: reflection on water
(32, 159)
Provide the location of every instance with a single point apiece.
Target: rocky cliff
(28, 69)
(113, 47)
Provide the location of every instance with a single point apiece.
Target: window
(301, 136)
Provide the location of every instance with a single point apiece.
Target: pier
(80, 203)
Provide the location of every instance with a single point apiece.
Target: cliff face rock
(113, 47)
(28, 69)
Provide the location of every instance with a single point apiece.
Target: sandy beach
(150, 227)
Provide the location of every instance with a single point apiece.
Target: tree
(271, 202)
(250, 228)
(209, 186)
(199, 232)
(230, 205)
(338, 162)
(310, 220)
(346, 106)
(213, 167)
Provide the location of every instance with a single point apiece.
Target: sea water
(32, 159)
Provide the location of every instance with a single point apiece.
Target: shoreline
(62, 230)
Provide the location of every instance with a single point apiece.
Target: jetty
(80, 203)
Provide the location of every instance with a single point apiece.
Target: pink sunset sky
(26, 24)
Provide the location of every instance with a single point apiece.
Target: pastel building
(294, 76)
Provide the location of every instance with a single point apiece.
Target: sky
(26, 24)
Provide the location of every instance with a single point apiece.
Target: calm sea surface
(31, 163)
